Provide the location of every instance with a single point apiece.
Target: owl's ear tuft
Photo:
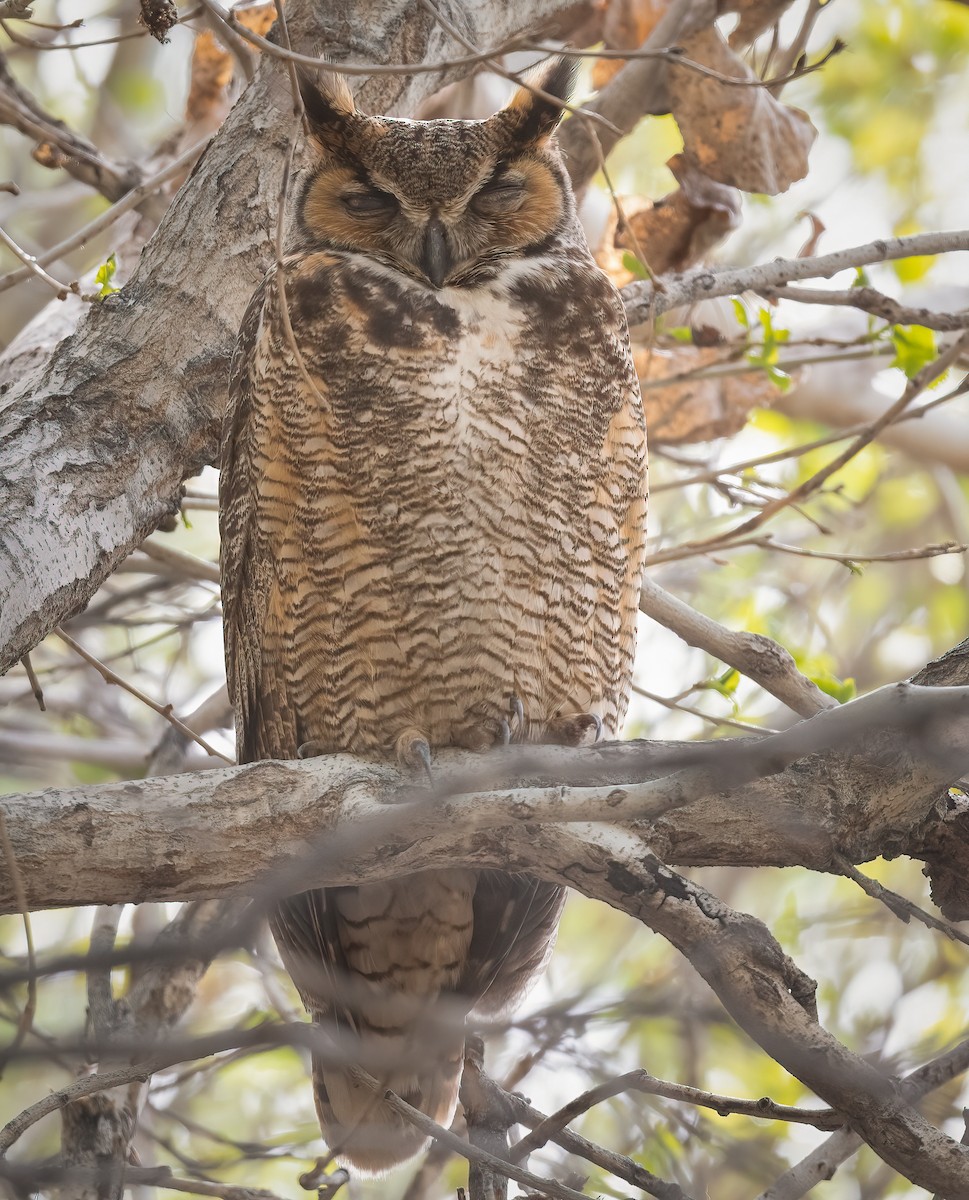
(533, 117)
(327, 103)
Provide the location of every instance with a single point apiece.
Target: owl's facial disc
(440, 201)
(443, 227)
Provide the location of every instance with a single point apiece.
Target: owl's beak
(435, 254)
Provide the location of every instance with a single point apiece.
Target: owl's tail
(379, 968)
(363, 1130)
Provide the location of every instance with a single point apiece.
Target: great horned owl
(433, 520)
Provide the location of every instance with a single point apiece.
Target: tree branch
(638, 89)
(644, 301)
(200, 835)
(869, 300)
(59, 146)
(758, 657)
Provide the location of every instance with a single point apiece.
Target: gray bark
(795, 799)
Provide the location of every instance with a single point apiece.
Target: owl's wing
(627, 486)
(515, 922)
(306, 932)
(251, 589)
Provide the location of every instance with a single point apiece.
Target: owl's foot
(489, 731)
(413, 750)
(577, 729)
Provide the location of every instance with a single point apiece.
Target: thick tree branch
(638, 89)
(765, 995)
(759, 986)
(328, 820)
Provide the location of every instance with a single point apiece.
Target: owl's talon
(414, 750)
(423, 753)
(577, 729)
(517, 715)
(504, 732)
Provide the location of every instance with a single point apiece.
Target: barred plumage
(433, 523)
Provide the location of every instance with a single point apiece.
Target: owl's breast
(460, 469)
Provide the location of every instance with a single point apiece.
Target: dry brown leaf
(676, 231)
(739, 136)
(818, 228)
(626, 24)
(755, 17)
(213, 65)
(211, 74)
(697, 410)
(258, 17)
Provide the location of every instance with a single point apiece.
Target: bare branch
(638, 89)
(642, 1081)
(752, 654)
(822, 1162)
(164, 710)
(870, 300)
(59, 146)
(224, 828)
(644, 301)
(20, 897)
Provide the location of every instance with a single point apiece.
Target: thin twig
(917, 384)
(33, 267)
(933, 550)
(189, 565)
(35, 687)
(543, 1186)
(641, 1081)
(135, 197)
(33, 43)
(676, 706)
(164, 710)
(903, 908)
(869, 300)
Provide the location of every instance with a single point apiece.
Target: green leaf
(634, 266)
(842, 690)
(914, 347)
(765, 354)
(680, 333)
(729, 679)
(104, 275)
(725, 684)
(780, 379)
(740, 312)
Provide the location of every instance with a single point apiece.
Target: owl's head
(441, 201)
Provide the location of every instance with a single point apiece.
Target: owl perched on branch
(433, 521)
